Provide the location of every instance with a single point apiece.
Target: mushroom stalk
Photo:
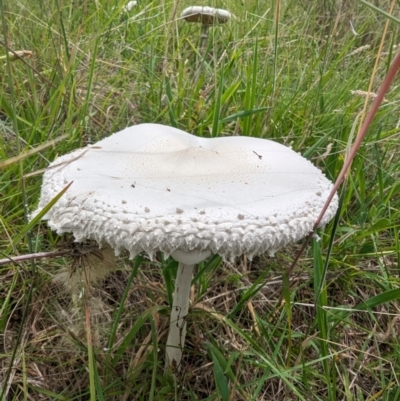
(204, 38)
(179, 311)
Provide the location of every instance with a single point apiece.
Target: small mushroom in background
(153, 188)
(207, 16)
(129, 6)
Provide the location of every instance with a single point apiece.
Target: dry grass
(52, 351)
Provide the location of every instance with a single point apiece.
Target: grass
(329, 329)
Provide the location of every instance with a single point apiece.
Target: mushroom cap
(205, 15)
(156, 188)
(129, 6)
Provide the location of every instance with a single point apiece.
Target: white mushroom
(207, 16)
(153, 188)
(129, 6)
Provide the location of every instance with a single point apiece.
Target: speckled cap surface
(155, 188)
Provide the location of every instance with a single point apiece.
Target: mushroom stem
(179, 311)
(204, 38)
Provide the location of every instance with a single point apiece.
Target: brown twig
(40, 255)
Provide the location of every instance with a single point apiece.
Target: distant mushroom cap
(156, 188)
(129, 6)
(206, 15)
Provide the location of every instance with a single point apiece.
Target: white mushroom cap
(156, 188)
(129, 6)
(206, 15)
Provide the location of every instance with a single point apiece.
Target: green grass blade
(37, 218)
(137, 263)
(243, 114)
(171, 113)
(339, 314)
(250, 292)
(130, 335)
(220, 380)
(155, 359)
(321, 297)
(217, 106)
(380, 11)
(98, 384)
